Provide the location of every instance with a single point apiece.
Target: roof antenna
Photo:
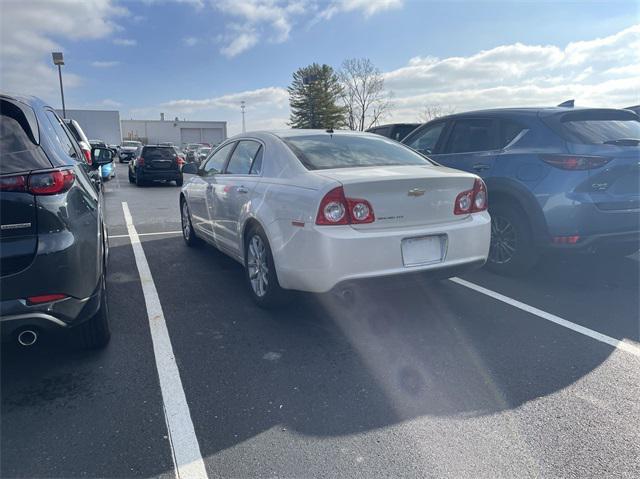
(567, 104)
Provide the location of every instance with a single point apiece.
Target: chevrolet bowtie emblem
(415, 192)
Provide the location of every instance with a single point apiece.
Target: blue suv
(558, 178)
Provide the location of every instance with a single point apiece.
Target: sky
(198, 59)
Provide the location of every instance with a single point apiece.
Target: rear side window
(158, 153)
(472, 134)
(242, 158)
(18, 150)
(325, 151)
(426, 139)
(216, 162)
(509, 130)
(401, 131)
(59, 135)
(597, 127)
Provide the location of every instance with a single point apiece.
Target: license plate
(423, 250)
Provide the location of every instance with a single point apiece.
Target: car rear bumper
(158, 175)
(16, 315)
(316, 259)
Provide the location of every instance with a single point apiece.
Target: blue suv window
(473, 134)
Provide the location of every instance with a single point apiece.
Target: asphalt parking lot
(401, 378)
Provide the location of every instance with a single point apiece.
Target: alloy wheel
(503, 240)
(257, 266)
(186, 225)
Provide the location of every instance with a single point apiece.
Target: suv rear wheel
(512, 250)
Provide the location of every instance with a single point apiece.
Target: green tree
(314, 97)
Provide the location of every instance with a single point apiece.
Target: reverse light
(336, 209)
(45, 298)
(575, 163)
(472, 201)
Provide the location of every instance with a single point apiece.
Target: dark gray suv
(53, 242)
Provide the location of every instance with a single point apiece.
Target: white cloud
(125, 42)
(603, 71)
(238, 40)
(105, 64)
(367, 7)
(190, 41)
(26, 40)
(272, 97)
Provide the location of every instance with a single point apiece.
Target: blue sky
(197, 58)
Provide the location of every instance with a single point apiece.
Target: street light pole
(59, 60)
(242, 105)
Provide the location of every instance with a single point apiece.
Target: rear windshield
(131, 143)
(325, 151)
(597, 127)
(18, 150)
(165, 152)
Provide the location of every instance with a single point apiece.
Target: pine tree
(314, 97)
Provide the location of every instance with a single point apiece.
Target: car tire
(260, 271)
(131, 178)
(140, 181)
(95, 333)
(180, 181)
(513, 251)
(188, 233)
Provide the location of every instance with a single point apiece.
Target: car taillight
(45, 298)
(472, 201)
(575, 163)
(45, 183)
(180, 160)
(336, 209)
(140, 161)
(87, 156)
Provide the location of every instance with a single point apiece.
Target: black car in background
(156, 163)
(395, 131)
(53, 241)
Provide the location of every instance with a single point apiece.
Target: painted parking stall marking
(603, 338)
(185, 449)
(148, 234)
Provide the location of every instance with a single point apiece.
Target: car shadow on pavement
(346, 362)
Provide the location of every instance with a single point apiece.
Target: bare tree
(433, 111)
(363, 93)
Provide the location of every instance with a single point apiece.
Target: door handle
(481, 167)
(242, 189)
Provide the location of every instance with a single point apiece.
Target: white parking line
(185, 449)
(178, 232)
(603, 338)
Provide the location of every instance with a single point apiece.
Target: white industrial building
(175, 131)
(98, 124)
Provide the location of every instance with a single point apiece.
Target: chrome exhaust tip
(27, 337)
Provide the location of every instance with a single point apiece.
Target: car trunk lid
(404, 196)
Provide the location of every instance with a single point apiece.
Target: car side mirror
(101, 156)
(190, 169)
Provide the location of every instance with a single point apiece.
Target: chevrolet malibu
(309, 209)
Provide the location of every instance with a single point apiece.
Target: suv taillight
(575, 162)
(472, 201)
(140, 161)
(336, 209)
(45, 183)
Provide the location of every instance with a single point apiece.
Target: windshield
(324, 151)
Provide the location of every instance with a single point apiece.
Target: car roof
(520, 111)
(291, 132)
(394, 124)
(32, 101)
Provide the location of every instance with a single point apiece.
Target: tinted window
(256, 168)
(401, 131)
(18, 151)
(242, 158)
(318, 152)
(425, 140)
(595, 127)
(59, 135)
(472, 135)
(382, 131)
(216, 162)
(509, 132)
(158, 152)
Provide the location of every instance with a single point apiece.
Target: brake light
(87, 156)
(45, 183)
(140, 161)
(336, 209)
(566, 239)
(472, 201)
(180, 160)
(45, 298)
(575, 163)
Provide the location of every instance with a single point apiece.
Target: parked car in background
(191, 148)
(53, 238)
(308, 210)
(395, 131)
(128, 149)
(559, 178)
(80, 137)
(201, 153)
(156, 163)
